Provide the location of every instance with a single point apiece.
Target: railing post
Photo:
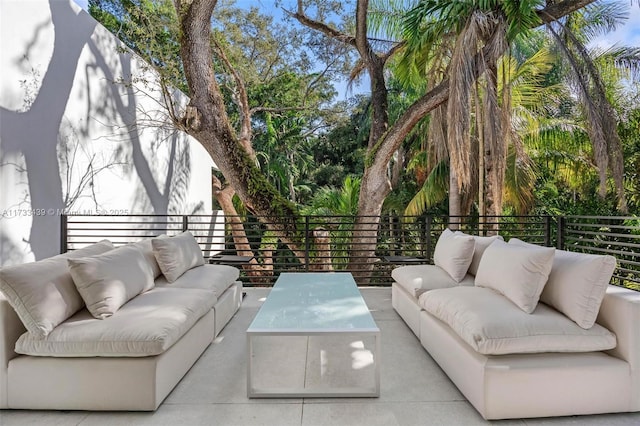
(428, 230)
(547, 231)
(185, 223)
(562, 224)
(307, 243)
(63, 233)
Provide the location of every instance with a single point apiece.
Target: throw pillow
(519, 273)
(42, 293)
(577, 284)
(146, 248)
(110, 280)
(176, 255)
(454, 253)
(481, 245)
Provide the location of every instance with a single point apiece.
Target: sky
(627, 35)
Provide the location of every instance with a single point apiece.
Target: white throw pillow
(481, 245)
(517, 272)
(577, 284)
(110, 280)
(454, 253)
(147, 250)
(176, 255)
(42, 293)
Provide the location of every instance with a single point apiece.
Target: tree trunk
(206, 120)
(224, 197)
(455, 201)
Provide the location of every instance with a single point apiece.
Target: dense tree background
(308, 145)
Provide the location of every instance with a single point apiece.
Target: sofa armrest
(10, 329)
(620, 313)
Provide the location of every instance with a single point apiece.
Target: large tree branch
(301, 17)
(556, 10)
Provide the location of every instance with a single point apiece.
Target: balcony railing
(326, 240)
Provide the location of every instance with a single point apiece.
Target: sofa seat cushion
(492, 325)
(43, 293)
(217, 278)
(147, 325)
(416, 279)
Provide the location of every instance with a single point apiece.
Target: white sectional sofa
(104, 328)
(525, 331)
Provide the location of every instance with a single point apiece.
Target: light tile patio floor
(414, 391)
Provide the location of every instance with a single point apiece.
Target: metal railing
(325, 240)
(616, 236)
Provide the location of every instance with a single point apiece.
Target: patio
(413, 389)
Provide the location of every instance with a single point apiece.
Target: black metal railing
(617, 236)
(325, 240)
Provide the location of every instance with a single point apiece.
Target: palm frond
(433, 191)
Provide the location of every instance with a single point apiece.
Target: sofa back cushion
(42, 293)
(454, 253)
(492, 325)
(577, 284)
(146, 248)
(177, 254)
(481, 244)
(517, 272)
(108, 281)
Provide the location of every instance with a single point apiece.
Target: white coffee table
(313, 337)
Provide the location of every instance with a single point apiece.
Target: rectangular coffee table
(313, 337)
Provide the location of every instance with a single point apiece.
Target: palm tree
(478, 34)
(584, 72)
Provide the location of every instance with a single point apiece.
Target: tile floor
(414, 391)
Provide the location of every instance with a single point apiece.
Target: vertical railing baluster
(547, 231)
(562, 224)
(307, 242)
(63, 233)
(428, 230)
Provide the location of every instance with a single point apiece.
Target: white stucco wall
(74, 139)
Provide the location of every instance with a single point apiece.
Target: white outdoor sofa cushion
(492, 325)
(417, 279)
(517, 272)
(207, 277)
(177, 254)
(577, 283)
(43, 293)
(454, 253)
(109, 280)
(147, 325)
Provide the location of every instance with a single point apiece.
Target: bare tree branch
(301, 17)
